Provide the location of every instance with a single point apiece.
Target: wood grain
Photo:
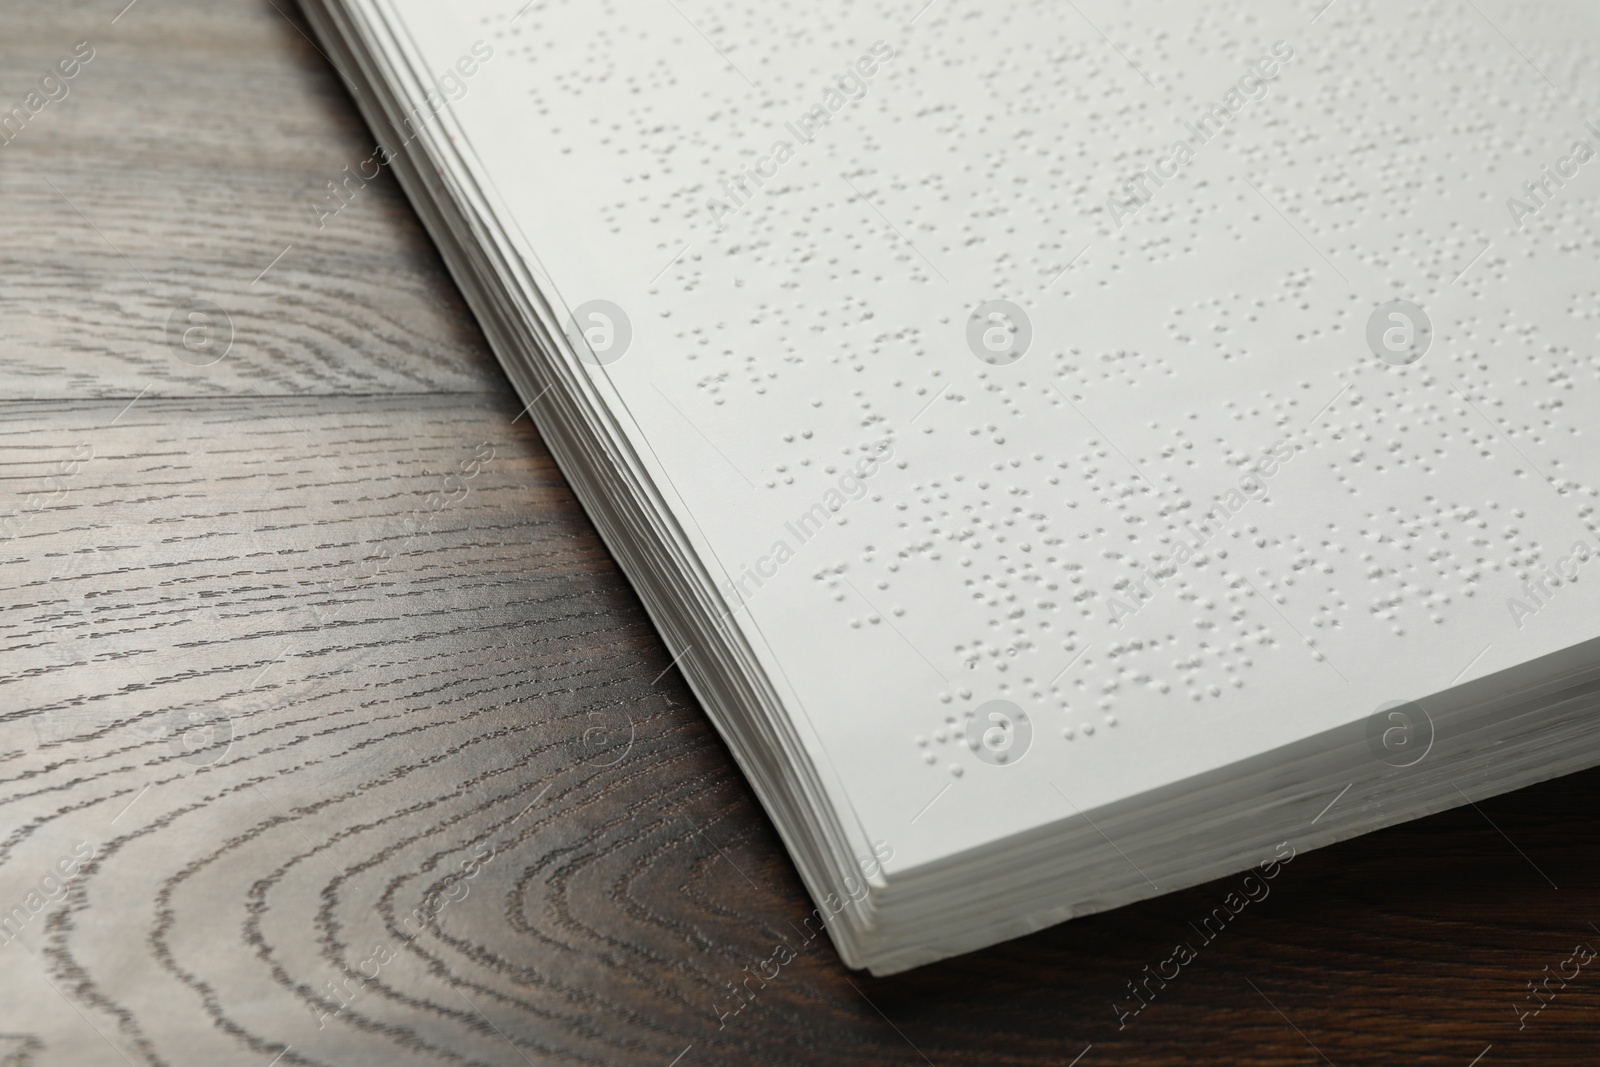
(185, 158)
(380, 760)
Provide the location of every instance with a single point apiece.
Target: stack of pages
(1072, 451)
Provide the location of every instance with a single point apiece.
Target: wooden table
(332, 734)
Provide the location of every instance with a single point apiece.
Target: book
(1069, 460)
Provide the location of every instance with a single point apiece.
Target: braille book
(1073, 452)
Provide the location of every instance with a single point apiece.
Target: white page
(1224, 318)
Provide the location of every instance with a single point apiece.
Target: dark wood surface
(305, 640)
